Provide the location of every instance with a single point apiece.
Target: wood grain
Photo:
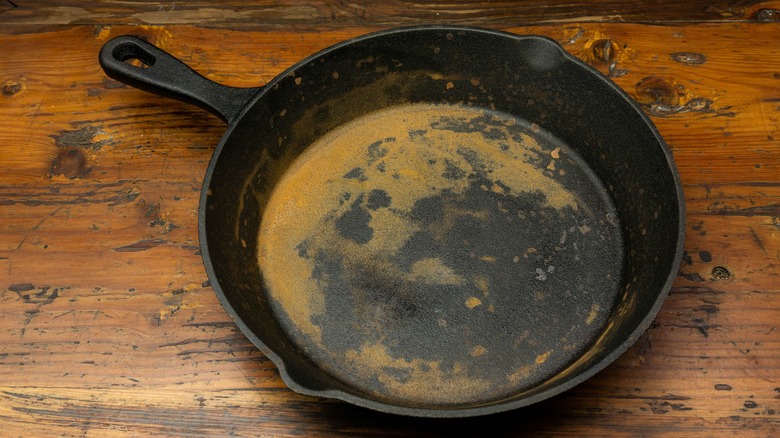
(332, 13)
(108, 325)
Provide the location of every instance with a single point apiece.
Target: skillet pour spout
(431, 221)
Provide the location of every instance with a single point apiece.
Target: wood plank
(330, 13)
(733, 132)
(108, 325)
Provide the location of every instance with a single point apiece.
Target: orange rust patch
(428, 377)
(473, 302)
(542, 358)
(594, 311)
(478, 350)
(521, 374)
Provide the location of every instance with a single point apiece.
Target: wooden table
(108, 325)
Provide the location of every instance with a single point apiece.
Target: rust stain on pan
(396, 253)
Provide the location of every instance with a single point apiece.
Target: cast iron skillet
(432, 221)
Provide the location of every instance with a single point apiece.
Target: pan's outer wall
(528, 76)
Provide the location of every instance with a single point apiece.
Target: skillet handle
(164, 75)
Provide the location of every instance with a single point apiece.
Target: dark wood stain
(42, 297)
(70, 162)
(21, 287)
(79, 138)
(710, 309)
(692, 276)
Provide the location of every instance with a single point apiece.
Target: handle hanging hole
(135, 62)
(133, 54)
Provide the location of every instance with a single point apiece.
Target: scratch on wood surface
(11, 4)
(141, 245)
(576, 36)
(758, 241)
(29, 315)
(692, 276)
(48, 216)
(35, 116)
(696, 290)
(69, 312)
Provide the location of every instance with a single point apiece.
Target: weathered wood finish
(108, 325)
(334, 13)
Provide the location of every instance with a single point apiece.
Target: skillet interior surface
(440, 254)
(441, 222)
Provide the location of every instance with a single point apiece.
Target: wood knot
(720, 273)
(767, 15)
(11, 88)
(659, 91)
(604, 50)
(689, 58)
(663, 97)
(601, 51)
